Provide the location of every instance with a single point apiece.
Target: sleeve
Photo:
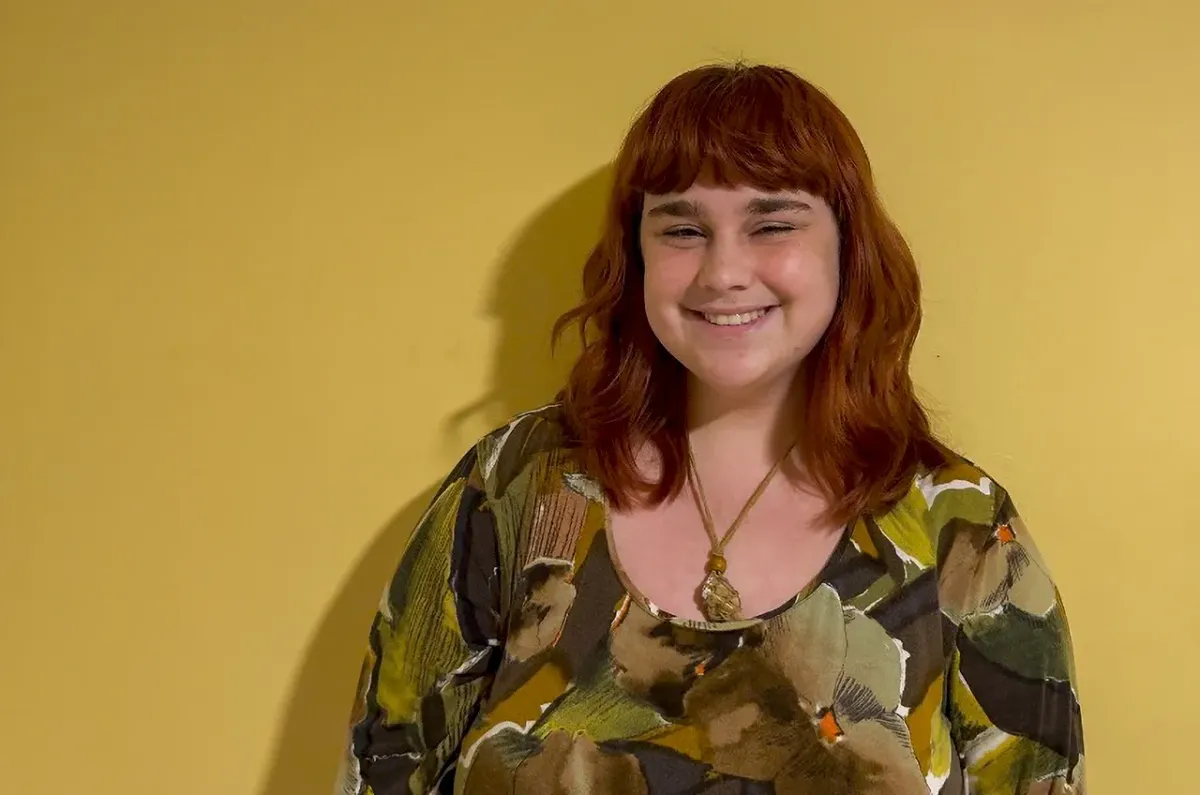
(433, 647)
(1012, 701)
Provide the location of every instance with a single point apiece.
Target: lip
(697, 316)
(736, 310)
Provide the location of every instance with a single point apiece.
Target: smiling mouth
(734, 319)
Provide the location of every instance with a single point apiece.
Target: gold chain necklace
(719, 600)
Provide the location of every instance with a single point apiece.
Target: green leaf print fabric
(931, 655)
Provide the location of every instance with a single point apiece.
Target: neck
(754, 426)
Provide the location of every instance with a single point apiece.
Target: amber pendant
(719, 600)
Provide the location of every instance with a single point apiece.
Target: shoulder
(511, 454)
(984, 555)
(543, 506)
(954, 496)
(957, 493)
(950, 514)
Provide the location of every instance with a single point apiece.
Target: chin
(735, 380)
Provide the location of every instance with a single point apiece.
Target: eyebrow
(766, 206)
(679, 208)
(685, 208)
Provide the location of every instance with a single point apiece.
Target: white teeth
(735, 320)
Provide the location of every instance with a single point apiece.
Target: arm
(433, 646)
(1012, 701)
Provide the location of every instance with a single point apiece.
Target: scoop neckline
(634, 595)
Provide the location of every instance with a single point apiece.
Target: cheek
(665, 281)
(805, 276)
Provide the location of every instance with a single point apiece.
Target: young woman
(732, 558)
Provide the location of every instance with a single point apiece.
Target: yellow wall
(264, 271)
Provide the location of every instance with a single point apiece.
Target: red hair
(865, 433)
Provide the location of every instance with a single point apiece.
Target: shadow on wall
(538, 279)
(541, 277)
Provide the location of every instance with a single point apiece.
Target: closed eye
(774, 229)
(683, 232)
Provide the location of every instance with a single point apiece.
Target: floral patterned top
(931, 654)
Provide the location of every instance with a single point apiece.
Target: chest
(775, 552)
(841, 691)
(598, 691)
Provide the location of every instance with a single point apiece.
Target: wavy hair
(865, 434)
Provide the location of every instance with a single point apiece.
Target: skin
(722, 250)
(711, 252)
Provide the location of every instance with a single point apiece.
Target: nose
(725, 266)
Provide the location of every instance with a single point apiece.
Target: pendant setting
(719, 600)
